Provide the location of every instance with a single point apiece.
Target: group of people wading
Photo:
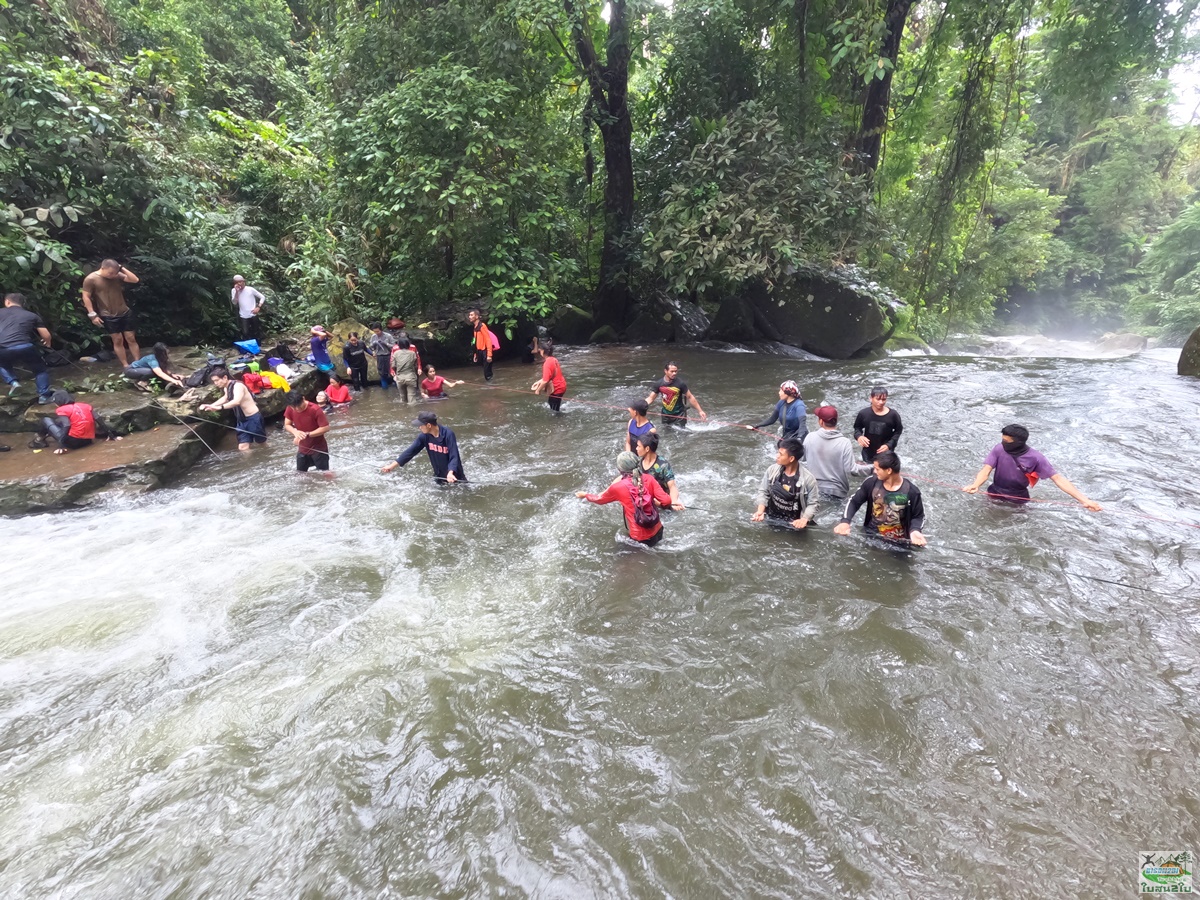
(811, 469)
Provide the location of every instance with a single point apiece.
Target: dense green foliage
(1014, 162)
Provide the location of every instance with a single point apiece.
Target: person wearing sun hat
(789, 412)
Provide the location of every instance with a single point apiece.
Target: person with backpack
(484, 342)
(788, 492)
(637, 495)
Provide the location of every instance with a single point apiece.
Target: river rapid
(260, 684)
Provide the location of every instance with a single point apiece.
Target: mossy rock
(605, 335)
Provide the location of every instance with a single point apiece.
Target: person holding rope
(442, 446)
(637, 495)
(788, 492)
(829, 455)
(895, 511)
(647, 451)
(250, 427)
(1019, 467)
(876, 427)
(676, 398)
(789, 412)
(552, 376)
(307, 425)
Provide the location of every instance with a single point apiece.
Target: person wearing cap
(73, 425)
(1019, 467)
(441, 445)
(788, 492)
(789, 412)
(249, 303)
(631, 489)
(320, 354)
(829, 455)
(876, 427)
(895, 511)
(307, 425)
(676, 398)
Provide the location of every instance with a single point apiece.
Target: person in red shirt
(337, 392)
(433, 386)
(306, 423)
(552, 376)
(73, 425)
(631, 490)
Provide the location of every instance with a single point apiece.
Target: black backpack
(645, 513)
(199, 377)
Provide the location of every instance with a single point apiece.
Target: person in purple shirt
(1019, 467)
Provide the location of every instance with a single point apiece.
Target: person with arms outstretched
(442, 446)
(676, 398)
(1018, 467)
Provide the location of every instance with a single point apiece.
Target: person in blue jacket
(441, 445)
(789, 412)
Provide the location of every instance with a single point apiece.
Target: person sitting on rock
(73, 426)
(158, 363)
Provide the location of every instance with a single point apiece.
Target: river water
(258, 684)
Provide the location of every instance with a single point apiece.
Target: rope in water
(956, 488)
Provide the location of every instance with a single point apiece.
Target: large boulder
(570, 325)
(836, 313)
(1124, 342)
(664, 318)
(1189, 359)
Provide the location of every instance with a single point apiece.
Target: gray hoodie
(830, 457)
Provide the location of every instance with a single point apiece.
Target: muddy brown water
(259, 684)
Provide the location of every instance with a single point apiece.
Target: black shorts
(318, 459)
(118, 324)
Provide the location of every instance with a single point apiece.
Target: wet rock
(571, 325)
(650, 326)
(837, 313)
(605, 335)
(1189, 359)
(1130, 343)
(664, 318)
(37, 482)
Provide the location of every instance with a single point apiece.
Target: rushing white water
(260, 684)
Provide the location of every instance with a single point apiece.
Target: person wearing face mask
(1018, 467)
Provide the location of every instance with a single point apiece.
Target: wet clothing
(82, 420)
(250, 429)
(1014, 474)
(791, 419)
(880, 430)
(320, 354)
(404, 372)
(108, 299)
(636, 431)
(59, 428)
(355, 358)
(789, 497)
(552, 374)
(662, 472)
(829, 455)
(310, 418)
(622, 492)
(433, 387)
(338, 393)
(893, 515)
(674, 401)
(380, 345)
(443, 453)
(483, 349)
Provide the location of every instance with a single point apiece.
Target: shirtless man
(104, 300)
(250, 428)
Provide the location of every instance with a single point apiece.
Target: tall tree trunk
(871, 129)
(608, 83)
(800, 16)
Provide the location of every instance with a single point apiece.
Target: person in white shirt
(249, 303)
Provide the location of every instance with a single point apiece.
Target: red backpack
(645, 513)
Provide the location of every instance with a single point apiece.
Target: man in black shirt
(895, 510)
(877, 428)
(20, 329)
(676, 398)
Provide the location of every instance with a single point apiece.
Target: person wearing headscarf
(638, 495)
(789, 412)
